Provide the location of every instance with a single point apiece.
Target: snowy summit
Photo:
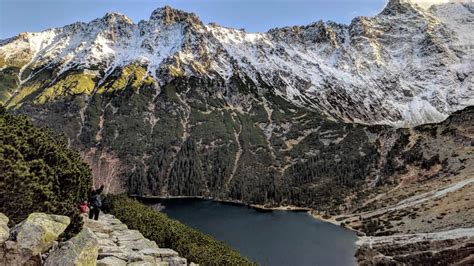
(412, 65)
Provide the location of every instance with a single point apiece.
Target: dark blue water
(268, 237)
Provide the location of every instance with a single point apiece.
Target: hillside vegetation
(38, 172)
(287, 117)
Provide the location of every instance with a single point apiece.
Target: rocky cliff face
(170, 106)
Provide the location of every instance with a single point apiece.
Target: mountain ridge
(369, 125)
(317, 66)
(173, 107)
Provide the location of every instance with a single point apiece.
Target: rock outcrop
(119, 245)
(105, 242)
(32, 237)
(79, 250)
(4, 231)
(453, 247)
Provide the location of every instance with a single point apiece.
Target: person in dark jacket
(95, 202)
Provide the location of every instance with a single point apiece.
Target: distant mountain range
(308, 116)
(406, 66)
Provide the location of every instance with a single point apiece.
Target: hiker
(95, 203)
(84, 209)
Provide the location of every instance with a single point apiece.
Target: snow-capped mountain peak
(395, 7)
(169, 15)
(405, 66)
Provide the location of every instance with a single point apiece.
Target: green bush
(188, 242)
(38, 173)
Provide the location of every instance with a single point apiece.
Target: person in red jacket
(84, 208)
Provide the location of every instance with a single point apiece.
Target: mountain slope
(410, 64)
(172, 107)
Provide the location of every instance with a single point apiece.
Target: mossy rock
(4, 231)
(81, 250)
(38, 232)
(33, 236)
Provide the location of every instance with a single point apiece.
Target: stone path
(120, 246)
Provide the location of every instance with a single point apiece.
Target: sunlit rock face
(412, 65)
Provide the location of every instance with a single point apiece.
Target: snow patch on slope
(403, 67)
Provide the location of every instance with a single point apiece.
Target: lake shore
(266, 235)
(238, 202)
(291, 208)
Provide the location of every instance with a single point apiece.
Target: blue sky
(254, 15)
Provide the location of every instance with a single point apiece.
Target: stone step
(144, 263)
(119, 227)
(121, 246)
(107, 242)
(138, 244)
(102, 235)
(111, 261)
(167, 252)
(128, 235)
(114, 249)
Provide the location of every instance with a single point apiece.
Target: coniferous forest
(38, 172)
